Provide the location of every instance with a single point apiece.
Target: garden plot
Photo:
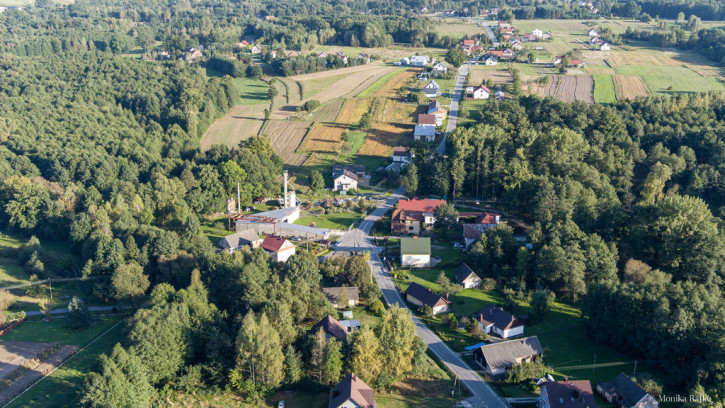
(15, 354)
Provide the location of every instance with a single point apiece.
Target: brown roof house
(567, 394)
(496, 358)
(333, 294)
(472, 231)
(332, 327)
(495, 320)
(279, 248)
(352, 392)
(466, 277)
(414, 215)
(422, 296)
(238, 240)
(627, 393)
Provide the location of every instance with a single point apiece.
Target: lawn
(312, 87)
(369, 91)
(251, 91)
(340, 220)
(604, 89)
(56, 331)
(659, 79)
(60, 389)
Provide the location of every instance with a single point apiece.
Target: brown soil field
(285, 136)
(497, 76)
(551, 85)
(13, 354)
(241, 123)
(390, 88)
(328, 112)
(629, 87)
(383, 137)
(353, 109)
(323, 138)
(640, 58)
(570, 88)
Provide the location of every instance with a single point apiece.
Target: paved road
(90, 309)
(358, 239)
(491, 35)
(453, 111)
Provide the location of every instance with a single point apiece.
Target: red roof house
(279, 248)
(414, 215)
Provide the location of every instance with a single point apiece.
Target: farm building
(334, 294)
(238, 240)
(424, 133)
(626, 393)
(432, 89)
(567, 394)
(495, 320)
(415, 252)
(344, 180)
(279, 248)
(414, 215)
(434, 108)
(352, 392)
(496, 358)
(291, 54)
(279, 222)
(419, 60)
(422, 296)
(466, 277)
(481, 92)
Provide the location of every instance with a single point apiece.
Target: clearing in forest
(629, 87)
(285, 136)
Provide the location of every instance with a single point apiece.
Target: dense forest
(624, 204)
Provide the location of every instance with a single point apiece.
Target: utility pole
(595, 363)
(50, 285)
(634, 374)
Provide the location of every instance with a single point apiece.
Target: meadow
(667, 79)
(604, 89)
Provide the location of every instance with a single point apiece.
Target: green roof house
(415, 252)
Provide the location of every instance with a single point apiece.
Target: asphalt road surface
(358, 240)
(453, 111)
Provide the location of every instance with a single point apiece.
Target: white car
(281, 404)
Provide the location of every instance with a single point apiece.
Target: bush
(311, 105)
(78, 315)
(488, 284)
(377, 308)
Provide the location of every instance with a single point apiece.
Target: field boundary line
(63, 363)
(302, 141)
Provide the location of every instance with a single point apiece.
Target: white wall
(419, 261)
(413, 300)
(285, 254)
(515, 331)
(441, 309)
(473, 283)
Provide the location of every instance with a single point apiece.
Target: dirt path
(13, 354)
(35, 374)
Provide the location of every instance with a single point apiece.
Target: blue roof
(475, 346)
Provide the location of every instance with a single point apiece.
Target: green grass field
(251, 91)
(17, 3)
(56, 331)
(340, 220)
(369, 91)
(604, 89)
(681, 79)
(312, 87)
(60, 389)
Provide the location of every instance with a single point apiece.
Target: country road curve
(359, 239)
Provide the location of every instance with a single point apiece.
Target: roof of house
(432, 84)
(487, 218)
(426, 205)
(426, 296)
(468, 42)
(495, 53)
(474, 231)
(238, 239)
(422, 130)
(464, 272)
(331, 326)
(570, 394)
(415, 246)
(426, 119)
(492, 314)
(333, 293)
(344, 172)
(273, 243)
(421, 58)
(401, 151)
(482, 87)
(356, 168)
(630, 392)
(504, 353)
(352, 388)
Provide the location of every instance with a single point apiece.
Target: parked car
(458, 245)
(281, 404)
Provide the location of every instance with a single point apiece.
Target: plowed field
(629, 87)
(571, 88)
(285, 136)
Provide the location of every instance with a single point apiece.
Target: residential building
(567, 394)
(425, 119)
(500, 95)
(192, 55)
(466, 277)
(405, 61)
(238, 240)
(344, 180)
(419, 60)
(537, 32)
(481, 92)
(508, 54)
(626, 393)
(593, 33)
(279, 248)
(432, 89)
(439, 69)
(291, 54)
(484, 222)
(402, 154)
(575, 63)
(495, 320)
(434, 108)
(332, 328)
(516, 45)
(415, 252)
(273, 54)
(491, 60)
(352, 392)
(358, 169)
(547, 36)
(364, 57)
(256, 49)
(333, 294)
(496, 358)
(605, 47)
(469, 43)
(412, 216)
(422, 296)
(424, 133)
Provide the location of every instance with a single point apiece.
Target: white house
(439, 69)
(605, 47)
(424, 133)
(466, 277)
(593, 33)
(344, 180)
(256, 49)
(481, 92)
(516, 45)
(415, 252)
(279, 248)
(538, 33)
(495, 320)
(402, 155)
(422, 296)
(432, 89)
(419, 60)
(491, 60)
